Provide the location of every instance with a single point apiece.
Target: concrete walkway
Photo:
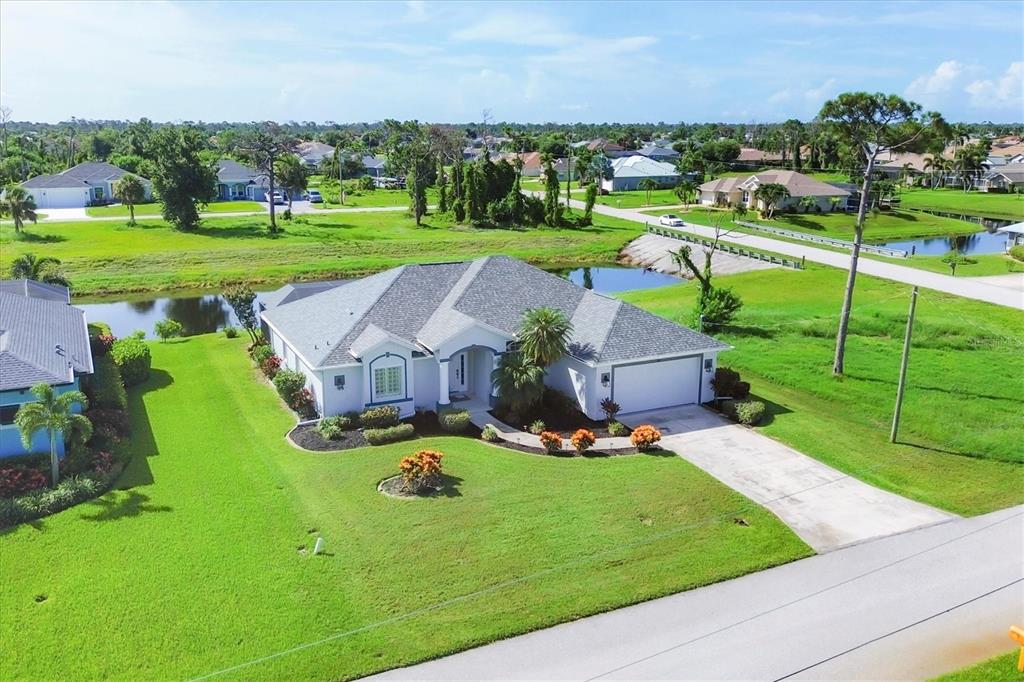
(825, 507)
(968, 287)
(907, 607)
(653, 252)
(481, 417)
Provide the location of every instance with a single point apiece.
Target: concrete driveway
(59, 214)
(825, 507)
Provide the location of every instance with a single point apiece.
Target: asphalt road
(908, 606)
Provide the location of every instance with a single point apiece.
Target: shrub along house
(427, 336)
(42, 339)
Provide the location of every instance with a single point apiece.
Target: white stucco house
(83, 185)
(630, 171)
(429, 336)
(740, 190)
(236, 181)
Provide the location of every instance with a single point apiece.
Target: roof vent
(59, 350)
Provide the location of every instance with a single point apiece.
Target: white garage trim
(650, 385)
(60, 197)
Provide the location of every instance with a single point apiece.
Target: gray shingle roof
(41, 341)
(83, 175)
(427, 304)
(296, 291)
(229, 170)
(54, 182)
(34, 289)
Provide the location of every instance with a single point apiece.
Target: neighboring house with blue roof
(86, 184)
(427, 336)
(43, 339)
(630, 171)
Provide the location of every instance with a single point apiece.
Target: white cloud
(819, 94)
(1004, 92)
(939, 81)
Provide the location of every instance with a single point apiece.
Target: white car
(278, 197)
(671, 220)
(314, 196)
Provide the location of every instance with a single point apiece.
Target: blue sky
(571, 61)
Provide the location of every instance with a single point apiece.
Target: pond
(987, 223)
(204, 313)
(977, 243)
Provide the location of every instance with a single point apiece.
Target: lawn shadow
(449, 486)
(254, 230)
(142, 442)
(658, 451)
(36, 524)
(771, 409)
(937, 389)
(803, 222)
(120, 504)
(740, 330)
(39, 238)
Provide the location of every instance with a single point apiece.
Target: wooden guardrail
(673, 233)
(828, 241)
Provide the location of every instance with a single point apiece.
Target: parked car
(315, 196)
(278, 197)
(671, 220)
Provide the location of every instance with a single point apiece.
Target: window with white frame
(387, 382)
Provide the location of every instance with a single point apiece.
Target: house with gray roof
(313, 153)
(238, 182)
(43, 339)
(86, 184)
(428, 336)
(629, 171)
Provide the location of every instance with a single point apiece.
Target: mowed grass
(118, 210)
(378, 198)
(960, 438)
(201, 559)
(988, 204)
(638, 199)
(105, 257)
(998, 669)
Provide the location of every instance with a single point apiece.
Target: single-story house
(750, 156)
(898, 164)
(43, 339)
(562, 168)
(374, 165)
(236, 181)
(532, 165)
(630, 171)
(422, 337)
(1014, 235)
(740, 190)
(658, 152)
(83, 185)
(312, 154)
(1003, 178)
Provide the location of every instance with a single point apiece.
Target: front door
(457, 373)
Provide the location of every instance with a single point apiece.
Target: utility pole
(903, 367)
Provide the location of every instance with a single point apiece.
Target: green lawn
(118, 210)
(105, 257)
(988, 204)
(638, 199)
(192, 564)
(960, 437)
(999, 669)
(379, 198)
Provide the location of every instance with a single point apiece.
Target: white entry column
(495, 361)
(443, 398)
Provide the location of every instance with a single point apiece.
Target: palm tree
(18, 205)
(519, 383)
(770, 194)
(938, 167)
(30, 266)
(647, 186)
(739, 211)
(808, 203)
(130, 191)
(544, 335)
(684, 192)
(53, 413)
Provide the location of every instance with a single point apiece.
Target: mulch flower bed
(563, 425)
(393, 487)
(307, 437)
(569, 452)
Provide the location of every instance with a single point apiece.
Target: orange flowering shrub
(421, 469)
(551, 441)
(582, 440)
(644, 437)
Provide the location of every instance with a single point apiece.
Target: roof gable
(41, 341)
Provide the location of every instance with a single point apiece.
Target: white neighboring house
(83, 185)
(427, 336)
(1003, 178)
(313, 153)
(740, 190)
(630, 171)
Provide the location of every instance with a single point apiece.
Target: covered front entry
(466, 376)
(655, 384)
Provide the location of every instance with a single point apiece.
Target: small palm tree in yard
(808, 203)
(130, 191)
(544, 335)
(770, 194)
(52, 413)
(520, 383)
(684, 191)
(647, 186)
(29, 266)
(19, 206)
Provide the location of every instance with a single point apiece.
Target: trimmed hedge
(133, 359)
(454, 421)
(391, 434)
(749, 412)
(104, 386)
(379, 417)
(68, 493)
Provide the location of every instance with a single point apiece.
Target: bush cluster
(68, 492)
(390, 434)
(727, 384)
(610, 409)
(331, 428)
(618, 429)
(133, 359)
(644, 437)
(490, 434)
(551, 441)
(19, 480)
(288, 383)
(168, 329)
(420, 470)
(270, 366)
(104, 386)
(231, 332)
(260, 352)
(538, 427)
(100, 344)
(582, 440)
(748, 412)
(380, 417)
(454, 421)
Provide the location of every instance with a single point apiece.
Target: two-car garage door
(653, 385)
(60, 197)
